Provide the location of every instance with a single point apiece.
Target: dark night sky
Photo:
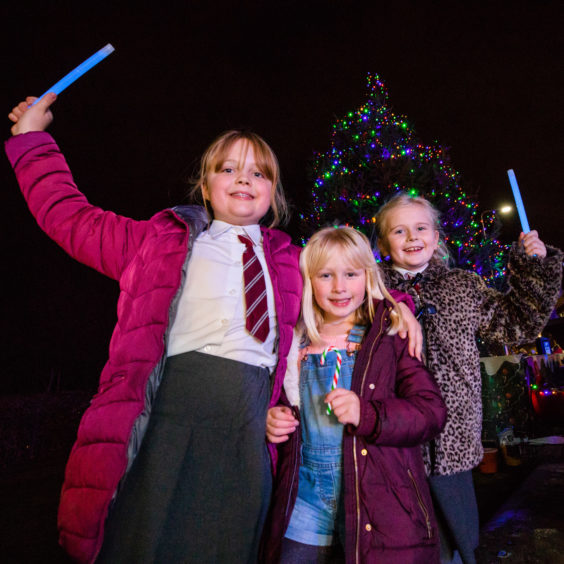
(485, 80)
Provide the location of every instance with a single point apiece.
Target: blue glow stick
(78, 71)
(518, 201)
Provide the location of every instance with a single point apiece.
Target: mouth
(412, 249)
(342, 302)
(242, 196)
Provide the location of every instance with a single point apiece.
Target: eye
(422, 228)
(227, 169)
(324, 275)
(258, 174)
(398, 231)
(354, 273)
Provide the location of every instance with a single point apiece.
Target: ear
(436, 239)
(205, 192)
(382, 247)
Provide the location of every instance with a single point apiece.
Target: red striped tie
(415, 283)
(255, 293)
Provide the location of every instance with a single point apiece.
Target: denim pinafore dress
(318, 514)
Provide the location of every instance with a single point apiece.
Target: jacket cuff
(369, 420)
(18, 145)
(402, 297)
(518, 258)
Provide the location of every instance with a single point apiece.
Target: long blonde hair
(401, 199)
(266, 161)
(354, 248)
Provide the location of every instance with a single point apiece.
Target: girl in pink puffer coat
(170, 463)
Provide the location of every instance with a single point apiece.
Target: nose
(338, 284)
(411, 235)
(243, 178)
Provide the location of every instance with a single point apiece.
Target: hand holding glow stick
(335, 379)
(78, 71)
(518, 201)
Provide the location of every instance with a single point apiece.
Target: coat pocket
(421, 503)
(395, 503)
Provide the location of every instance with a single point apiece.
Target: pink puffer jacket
(149, 260)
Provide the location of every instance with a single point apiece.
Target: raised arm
(535, 281)
(100, 239)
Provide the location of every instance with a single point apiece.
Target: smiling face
(339, 290)
(410, 237)
(238, 191)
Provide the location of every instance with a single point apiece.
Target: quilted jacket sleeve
(415, 413)
(100, 239)
(520, 314)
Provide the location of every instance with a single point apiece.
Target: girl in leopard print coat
(456, 307)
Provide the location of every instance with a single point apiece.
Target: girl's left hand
(345, 405)
(532, 244)
(280, 423)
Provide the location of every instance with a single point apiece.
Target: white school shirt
(412, 273)
(211, 309)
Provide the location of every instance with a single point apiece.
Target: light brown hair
(266, 162)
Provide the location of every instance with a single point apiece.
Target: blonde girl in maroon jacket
(351, 484)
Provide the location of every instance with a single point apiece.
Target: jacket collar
(195, 216)
(434, 271)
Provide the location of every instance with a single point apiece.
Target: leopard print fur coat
(464, 309)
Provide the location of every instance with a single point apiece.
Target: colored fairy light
(379, 154)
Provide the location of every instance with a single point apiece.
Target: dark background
(483, 78)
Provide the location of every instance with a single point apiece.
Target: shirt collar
(412, 273)
(219, 228)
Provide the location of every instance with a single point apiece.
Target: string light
(374, 153)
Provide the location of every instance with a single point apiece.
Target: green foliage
(374, 154)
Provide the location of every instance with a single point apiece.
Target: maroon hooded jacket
(388, 510)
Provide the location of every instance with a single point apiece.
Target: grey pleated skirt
(199, 488)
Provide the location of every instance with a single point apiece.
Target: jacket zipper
(294, 468)
(357, 493)
(421, 505)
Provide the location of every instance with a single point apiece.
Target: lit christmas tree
(375, 153)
